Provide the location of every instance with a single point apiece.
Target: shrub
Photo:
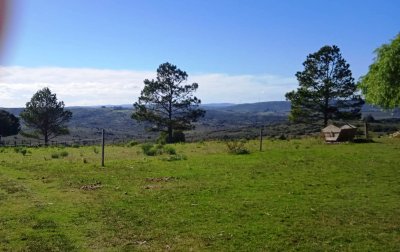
(63, 153)
(151, 150)
(95, 150)
(55, 155)
(162, 139)
(146, 147)
(169, 150)
(21, 150)
(157, 149)
(282, 137)
(132, 143)
(177, 137)
(237, 147)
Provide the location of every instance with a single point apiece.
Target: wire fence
(65, 143)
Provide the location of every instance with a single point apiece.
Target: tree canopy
(327, 89)
(167, 102)
(381, 85)
(9, 124)
(46, 116)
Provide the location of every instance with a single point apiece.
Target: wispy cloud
(85, 86)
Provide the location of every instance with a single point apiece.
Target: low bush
(63, 153)
(157, 149)
(237, 147)
(177, 137)
(169, 150)
(150, 149)
(95, 150)
(132, 143)
(21, 150)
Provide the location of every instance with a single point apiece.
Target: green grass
(295, 195)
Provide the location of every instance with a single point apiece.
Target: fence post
(366, 130)
(261, 137)
(102, 147)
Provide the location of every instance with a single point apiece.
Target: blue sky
(257, 44)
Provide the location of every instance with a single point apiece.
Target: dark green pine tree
(46, 116)
(167, 103)
(327, 89)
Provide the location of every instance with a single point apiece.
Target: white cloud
(85, 86)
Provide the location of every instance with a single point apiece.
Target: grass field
(294, 195)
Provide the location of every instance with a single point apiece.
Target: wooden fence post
(261, 137)
(102, 147)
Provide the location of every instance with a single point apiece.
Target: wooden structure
(333, 133)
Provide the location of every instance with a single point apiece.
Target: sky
(98, 52)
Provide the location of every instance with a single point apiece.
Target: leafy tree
(46, 115)
(381, 85)
(327, 89)
(9, 124)
(167, 103)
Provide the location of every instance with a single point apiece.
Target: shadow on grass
(360, 141)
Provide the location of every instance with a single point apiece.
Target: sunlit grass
(298, 194)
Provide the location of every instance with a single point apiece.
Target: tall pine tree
(327, 89)
(168, 102)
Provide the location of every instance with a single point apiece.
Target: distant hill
(220, 119)
(273, 106)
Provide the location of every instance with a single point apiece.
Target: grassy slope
(298, 194)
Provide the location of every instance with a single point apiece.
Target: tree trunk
(46, 139)
(170, 119)
(326, 111)
(169, 134)
(325, 119)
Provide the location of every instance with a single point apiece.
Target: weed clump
(149, 149)
(169, 150)
(95, 150)
(175, 158)
(61, 154)
(132, 143)
(157, 149)
(237, 147)
(21, 150)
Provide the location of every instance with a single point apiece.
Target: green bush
(55, 155)
(157, 149)
(151, 150)
(63, 154)
(177, 137)
(146, 147)
(21, 150)
(95, 150)
(169, 150)
(132, 143)
(163, 138)
(237, 147)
